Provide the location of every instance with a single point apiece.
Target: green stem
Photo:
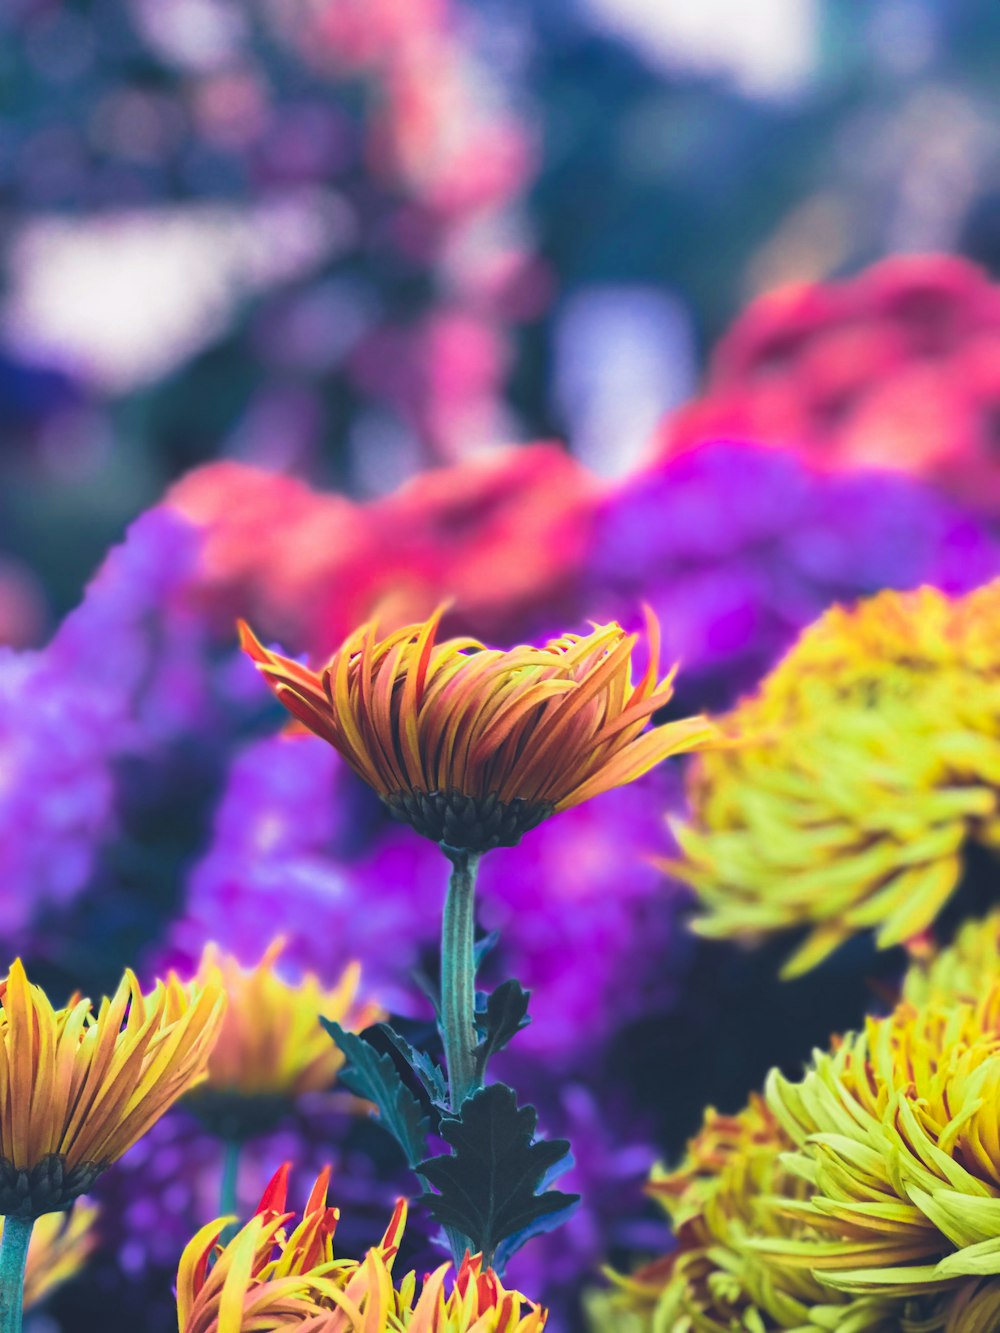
(458, 977)
(13, 1256)
(228, 1204)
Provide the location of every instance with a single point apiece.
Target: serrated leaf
(505, 1015)
(430, 1075)
(488, 1186)
(375, 1077)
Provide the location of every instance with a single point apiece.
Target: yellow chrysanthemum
(60, 1245)
(271, 1047)
(732, 1191)
(77, 1089)
(474, 746)
(861, 767)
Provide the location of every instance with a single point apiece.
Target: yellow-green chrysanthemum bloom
(733, 1191)
(860, 769)
(897, 1132)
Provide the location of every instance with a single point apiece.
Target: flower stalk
(458, 976)
(13, 1257)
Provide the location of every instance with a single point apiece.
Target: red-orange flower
(275, 1274)
(474, 746)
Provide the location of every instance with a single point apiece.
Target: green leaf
(488, 1186)
(430, 1075)
(376, 1078)
(505, 1015)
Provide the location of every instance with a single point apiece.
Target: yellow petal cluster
(60, 1245)
(275, 1274)
(78, 1088)
(271, 1043)
(474, 746)
(857, 773)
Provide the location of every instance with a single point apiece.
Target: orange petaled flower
(478, 1303)
(271, 1048)
(475, 746)
(273, 1275)
(77, 1088)
(60, 1245)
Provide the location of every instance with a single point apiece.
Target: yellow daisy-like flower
(473, 746)
(60, 1245)
(273, 1274)
(77, 1089)
(862, 766)
(271, 1048)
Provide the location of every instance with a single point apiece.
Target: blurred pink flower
(504, 535)
(896, 368)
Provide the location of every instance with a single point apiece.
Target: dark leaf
(505, 1015)
(489, 1185)
(430, 1075)
(375, 1077)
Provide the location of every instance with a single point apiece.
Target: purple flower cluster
(737, 548)
(125, 671)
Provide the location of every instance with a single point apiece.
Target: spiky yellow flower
(474, 746)
(77, 1089)
(865, 762)
(733, 1191)
(478, 1303)
(897, 1131)
(271, 1048)
(60, 1245)
(275, 1275)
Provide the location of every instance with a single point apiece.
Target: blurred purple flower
(126, 671)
